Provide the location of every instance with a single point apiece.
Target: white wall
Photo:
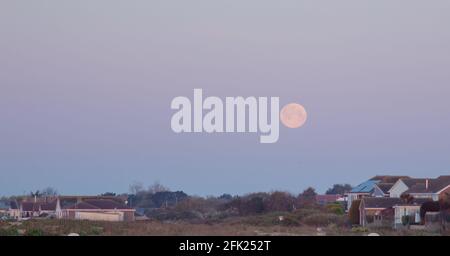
(99, 216)
(398, 189)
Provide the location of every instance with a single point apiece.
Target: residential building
(434, 189)
(99, 209)
(104, 208)
(409, 209)
(369, 188)
(377, 210)
(381, 189)
(403, 185)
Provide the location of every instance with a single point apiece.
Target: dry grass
(237, 226)
(151, 228)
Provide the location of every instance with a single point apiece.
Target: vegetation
(176, 213)
(430, 206)
(339, 189)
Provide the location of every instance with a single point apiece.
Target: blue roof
(365, 187)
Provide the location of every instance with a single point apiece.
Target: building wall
(129, 216)
(14, 213)
(445, 194)
(434, 197)
(100, 216)
(369, 213)
(398, 189)
(406, 210)
(354, 196)
(106, 215)
(377, 192)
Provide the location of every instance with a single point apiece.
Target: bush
(322, 219)
(34, 232)
(335, 208)
(290, 221)
(11, 231)
(359, 229)
(305, 212)
(429, 206)
(406, 219)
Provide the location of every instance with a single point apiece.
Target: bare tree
(49, 191)
(157, 187)
(136, 188)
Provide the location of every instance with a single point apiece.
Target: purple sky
(86, 86)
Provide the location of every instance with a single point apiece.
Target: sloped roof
(35, 206)
(82, 205)
(107, 204)
(381, 202)
(411, 182)
(104, 204)
(388, 178)
(365, 187)
(30, 206)
(385, 187)
(434, 185)
(49, 206)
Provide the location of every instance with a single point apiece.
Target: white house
(403, 185)
(412, 210)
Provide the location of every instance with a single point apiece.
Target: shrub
(322, 219)
(11, 231)
(290, 221)
(305, 212)
(429, 206)
(335, 208)
(406, 220)
(34, 232)
(359, 229)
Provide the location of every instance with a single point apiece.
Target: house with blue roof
(373, 187)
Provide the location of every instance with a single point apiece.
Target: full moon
(293, 115)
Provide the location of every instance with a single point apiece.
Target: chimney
(426, 184)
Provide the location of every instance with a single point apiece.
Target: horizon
(146, 187)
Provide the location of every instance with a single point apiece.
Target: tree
(157, 187)
(429, 206)
(407, 198)
(35, 194)
(167, 198)
(136, 188)
(225, 197)
(108, 194)
(49, 191)
(308, 196)
(254, 205)
(309, 192)
(249, 204)
(339, 189)
(279, 201)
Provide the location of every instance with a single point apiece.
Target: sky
(86, 87)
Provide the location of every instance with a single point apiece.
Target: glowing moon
(293, 115)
